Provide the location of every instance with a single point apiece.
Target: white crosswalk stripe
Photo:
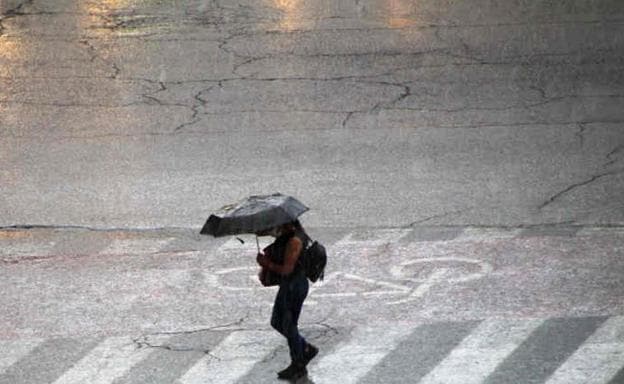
(232, 358)
(105, 363)
(471, 361)
(12, 351)
(598, 359)
(358, 355)
(479, 354)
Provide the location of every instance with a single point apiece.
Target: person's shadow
(303, 380)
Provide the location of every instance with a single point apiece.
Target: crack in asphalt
(219, 16)
(572, 187)
(346, 119)
(13, 12)
(387, 105)
(195, 108)
(143, 341)
(18, 10)
(88, 228)
(92, 50)
(582, 127)
(611, 156)
(390, 72)
(325, 331)
(493, 125)
(162, 88)
(549, 100)
(429, 26)
(540, 90)
(140, 344)
(75, 104)
(376, 107)
(439, 216)
(146, 230)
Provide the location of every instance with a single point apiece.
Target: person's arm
(293, 249)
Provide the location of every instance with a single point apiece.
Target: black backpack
(314, 261)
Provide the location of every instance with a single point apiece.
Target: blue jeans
(286, 310)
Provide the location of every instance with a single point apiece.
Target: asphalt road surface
(463, 162)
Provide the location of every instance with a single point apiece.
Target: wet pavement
(438, 305)
(66, 283)
(463, 162)
(121, 113)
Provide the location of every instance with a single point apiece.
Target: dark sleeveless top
(277, 251)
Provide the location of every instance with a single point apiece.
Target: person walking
(281, 258)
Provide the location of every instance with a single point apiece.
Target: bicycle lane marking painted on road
(355, 246)
(351, 360)
(229, 279)
(12, 351)
(479, 353)
(598, 359)
(375, 287)
(341, 284)
(232, 358)
(106, 362)
(438, 275)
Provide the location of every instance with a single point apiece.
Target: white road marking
(12, 351)
(481, 352)
(357, 356)
(377, 287)
(401, 270)
(105, 363)
(232, 358)
(352, 247)
(598, 359)
(438, 275)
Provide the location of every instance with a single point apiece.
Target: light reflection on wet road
(413, 112)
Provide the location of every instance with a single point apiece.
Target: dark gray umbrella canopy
(253, 214)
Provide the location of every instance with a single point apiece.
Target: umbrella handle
(257, 244)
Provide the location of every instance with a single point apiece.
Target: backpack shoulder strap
(305, 239)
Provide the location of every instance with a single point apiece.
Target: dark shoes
(308, 353)
(294, 372)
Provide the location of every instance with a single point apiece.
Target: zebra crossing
(587, 350)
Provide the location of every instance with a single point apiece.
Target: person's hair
(297, 225)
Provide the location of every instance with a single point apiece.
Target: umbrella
(253, 214)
